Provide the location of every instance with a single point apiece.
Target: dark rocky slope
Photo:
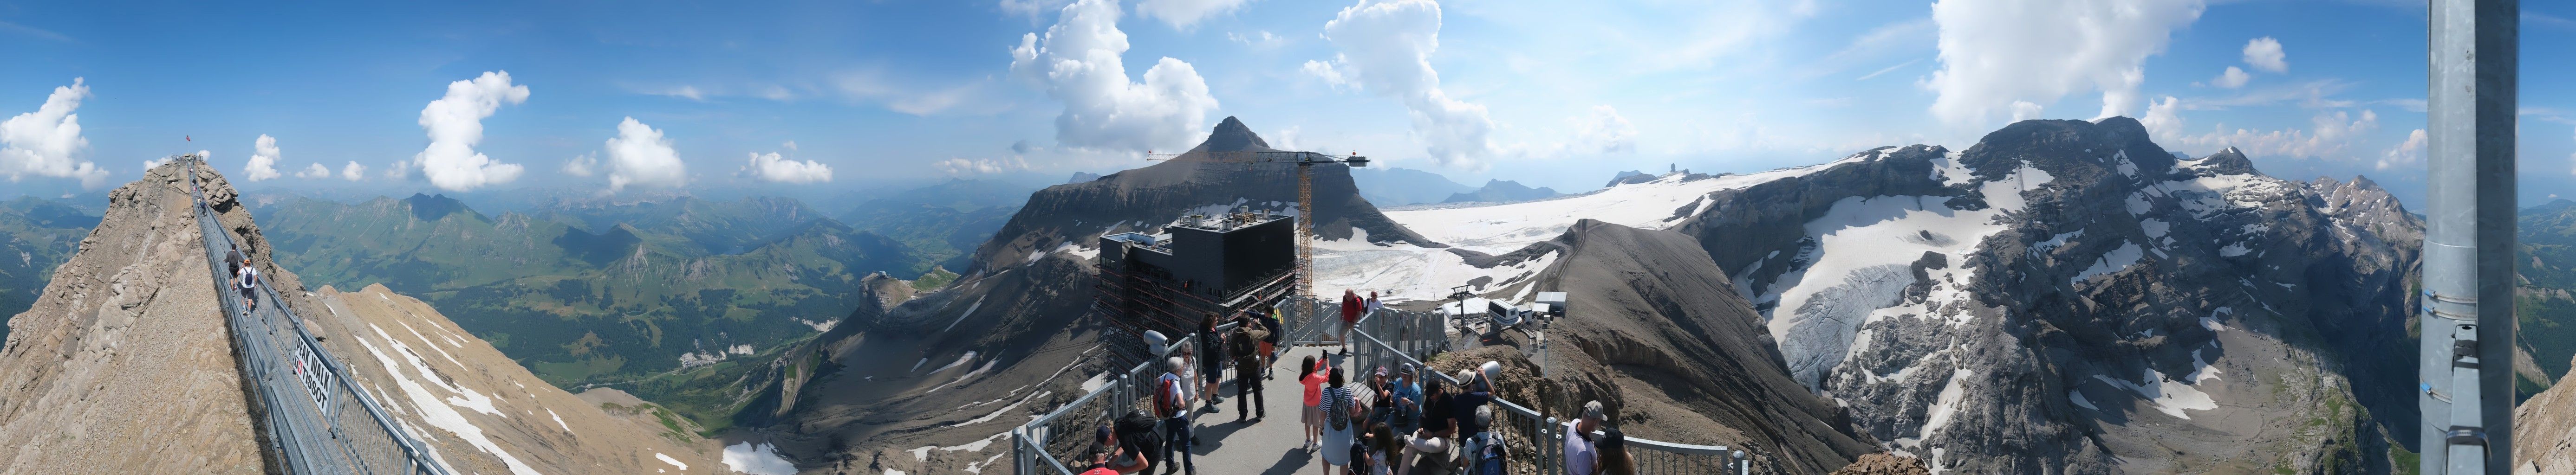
(2066, 296)
(949, 368)
(1146, 198)
(1689, 357)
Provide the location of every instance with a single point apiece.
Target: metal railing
(1532, 437)
(318, 421)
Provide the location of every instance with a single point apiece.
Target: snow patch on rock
(761, 459)
(2123, 257)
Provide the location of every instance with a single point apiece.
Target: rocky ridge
(125, 365)
(2068, 296)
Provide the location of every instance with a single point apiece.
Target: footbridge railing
(317, 420)
(1055, 443)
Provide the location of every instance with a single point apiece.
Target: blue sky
(900, 92)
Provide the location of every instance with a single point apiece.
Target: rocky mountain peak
(1231, 135)
(431, 207)
(2228, 161)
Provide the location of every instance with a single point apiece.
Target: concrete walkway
(1270, 446)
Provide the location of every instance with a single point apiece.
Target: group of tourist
(1192, 376)
(1404, 420)
(1398, 424)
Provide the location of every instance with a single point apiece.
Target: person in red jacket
(1351, 306)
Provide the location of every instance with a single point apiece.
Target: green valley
(36, 235)
(602, 294)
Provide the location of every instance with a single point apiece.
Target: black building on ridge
(1228, 265)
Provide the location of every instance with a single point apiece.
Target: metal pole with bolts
(2466, 391)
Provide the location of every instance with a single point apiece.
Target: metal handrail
(1741, 465)
(1029, 446)
(297, 426)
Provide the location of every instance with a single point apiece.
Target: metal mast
(2466, 391)
(1306, 233)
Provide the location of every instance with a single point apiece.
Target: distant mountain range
(36, 235)
(2546, 308)
(1404, 186)
(942, 221)
(601, 292)
(1502, 191)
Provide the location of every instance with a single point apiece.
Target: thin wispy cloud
(40, 33)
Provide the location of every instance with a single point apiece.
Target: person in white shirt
(1175, 412)
(247, 279)
(1581, 457)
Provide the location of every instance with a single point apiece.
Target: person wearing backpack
(1582, 456)
(1110, 456)
(246, 277)
(1172, 404)
(1339, 422)
(1136, 435)
(1247, 372)
(1486, 452)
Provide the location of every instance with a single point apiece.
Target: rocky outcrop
(946, 369)
(1885, 464)
(2068, 297)
(1688, 355)
(126, 365)
(480, 411)
(123, 364)
(2544, 433)
(1144, 199)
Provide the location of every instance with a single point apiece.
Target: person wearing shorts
(1270, 342)
(247, 278)
(1313, 378)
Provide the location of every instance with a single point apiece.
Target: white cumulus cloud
(2232, 78)
(2164, 119)
(263, 159)
(1996, 52)
(1183, 14)
(639, 155)
(353, 172)
(1386, 48)
(455, 125)
(2265, 54)
(775, 168)
(1606, 131)
(2330, 136)
(42, 143)
(314, 171)
(582, 165)
(2025, 110)
(1077, 63)
(2409, 153)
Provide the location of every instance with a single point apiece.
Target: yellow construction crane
(1305, 162)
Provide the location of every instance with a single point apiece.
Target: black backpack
(1136, 431)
